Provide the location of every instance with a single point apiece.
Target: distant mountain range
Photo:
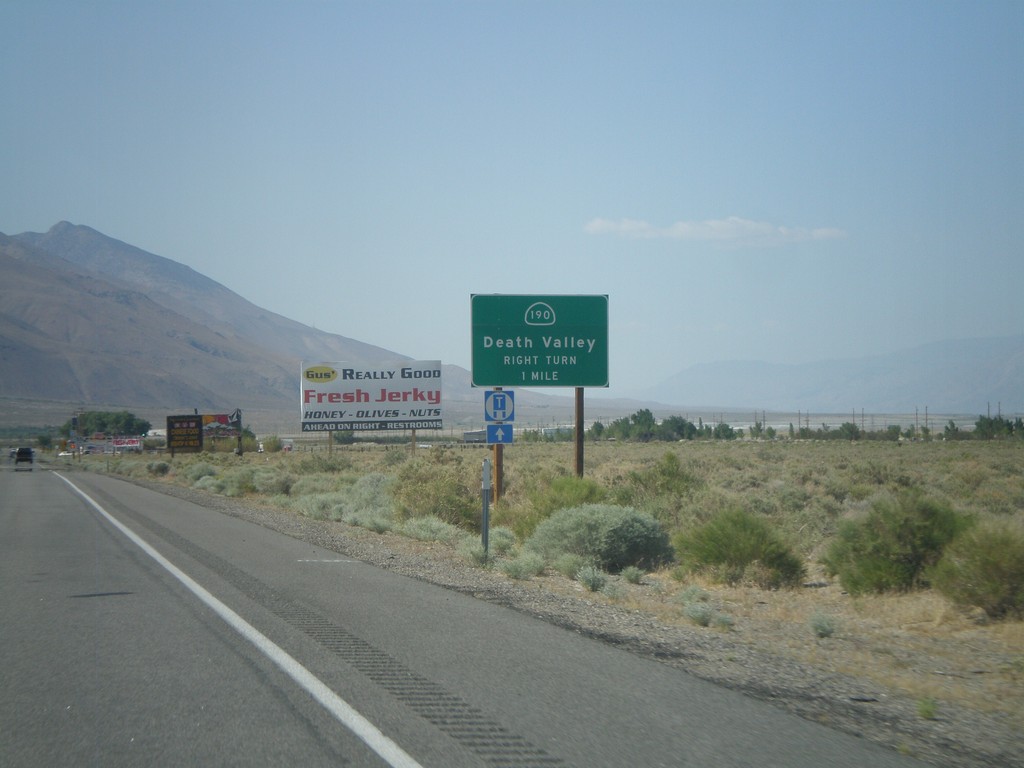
(87, 321)
(967, 377)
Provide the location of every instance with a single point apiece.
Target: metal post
(485, 495)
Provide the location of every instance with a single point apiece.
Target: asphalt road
(139, 629)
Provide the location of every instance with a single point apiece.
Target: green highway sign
(539, 341)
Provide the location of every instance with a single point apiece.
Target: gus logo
(320, 374)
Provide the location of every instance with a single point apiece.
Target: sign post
(485, 497)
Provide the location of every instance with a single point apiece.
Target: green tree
(723, 431)
(643, 424)
(849, 431)
(676, 428)
(107, 422)
(892, 546)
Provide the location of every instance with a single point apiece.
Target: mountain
(86, 319)
(963, 376)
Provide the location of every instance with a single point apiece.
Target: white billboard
(398, 396)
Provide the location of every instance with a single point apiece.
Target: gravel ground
(956, 736)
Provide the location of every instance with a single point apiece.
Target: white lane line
(342, 711)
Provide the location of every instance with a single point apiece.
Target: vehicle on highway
(23, 456)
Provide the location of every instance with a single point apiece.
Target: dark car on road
(23, 456)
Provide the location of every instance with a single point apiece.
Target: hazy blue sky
(782, 181)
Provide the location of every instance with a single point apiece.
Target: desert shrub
(501, 540)
(312, 485)
(372, 520)
(438, 487)
(392, 458)
(370, 493)
(199, 470)
(367, 503)
(891, 547)
(158, 468)
(734, 546)
(592, 577)
(239, 481)
(823, 625)
(472, 550)
(272, 482)
(319, 506)
(632, 574)
(524, 566)
(984, 568)
(318, 463)
(563, 492)
(430, 528)
(693, 594)
(662, 489)
(209, 483)
(667, 476)
(699, 613)
(569, 564)
(607, 536)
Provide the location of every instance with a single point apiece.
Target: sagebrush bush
(569, 564)
(472, 550)
(501, 541)
(666, 477)
(606, 536)
(317, 463)
(592, 577)
(564, 492)
(273, 482)
(984, 568)
(893, 545)
(238, 481)
(823, 625)
(693, 594)
(209, 483)
(430, 528)
(525, 565)
(438, 486)
(699, 613)
(736, 546)
(313, 485)
(158, 468)
(632, 574)
(200, 470)
(369, 494)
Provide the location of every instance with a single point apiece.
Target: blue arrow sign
(499, 405)
(499, 433)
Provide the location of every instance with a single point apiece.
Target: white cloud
(732, 231)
